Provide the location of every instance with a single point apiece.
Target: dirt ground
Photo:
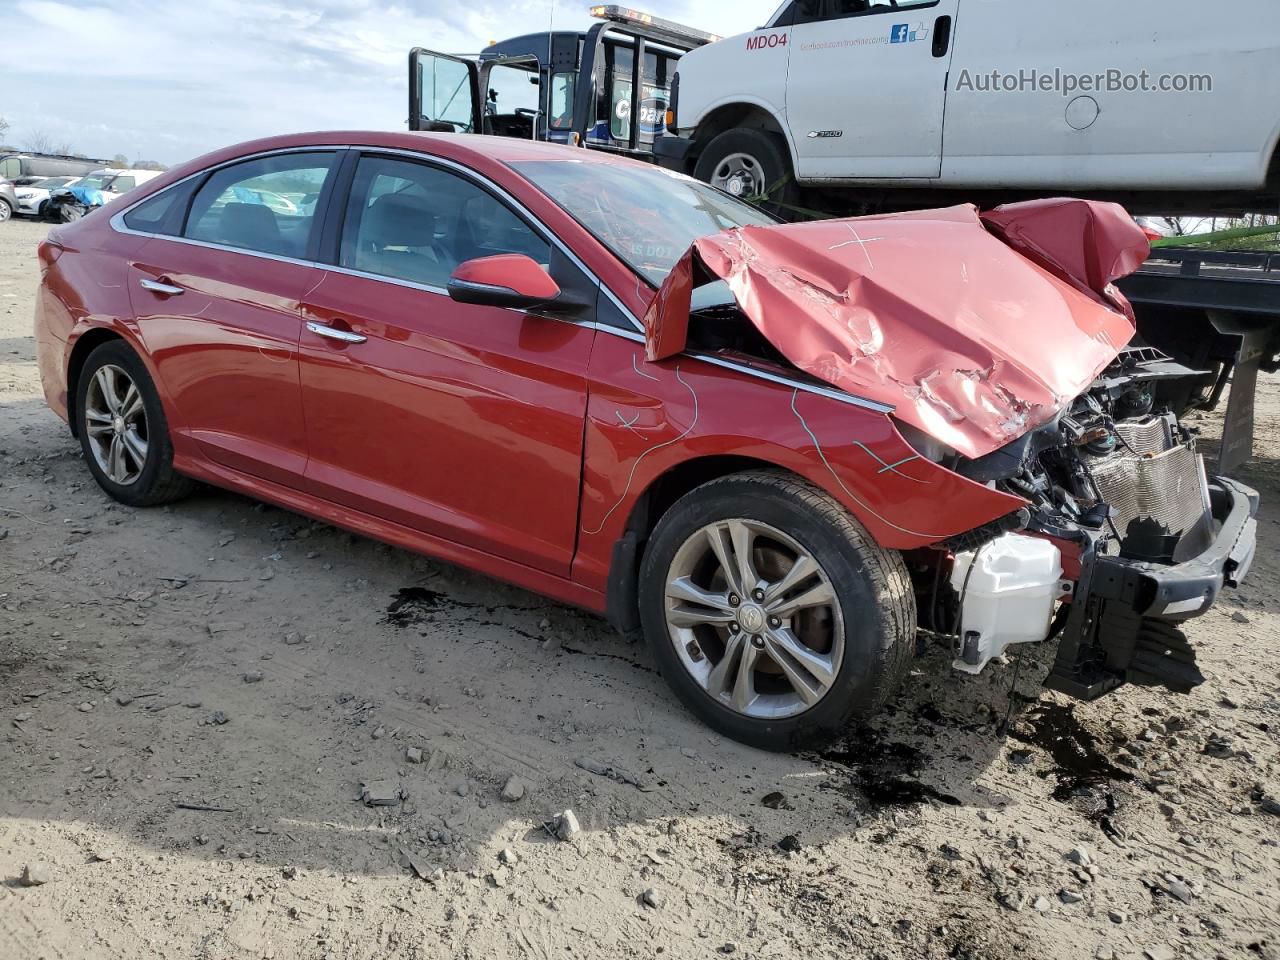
(257, 668)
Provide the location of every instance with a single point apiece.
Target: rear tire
(751, 164)
(123, 430)
(848, 654)
(6, 211)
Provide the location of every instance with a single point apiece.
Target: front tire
(772, 613)
(123, 430)
(6, 211)
(752, 165)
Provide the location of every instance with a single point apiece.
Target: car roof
(467, 148)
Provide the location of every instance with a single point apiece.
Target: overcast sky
(170, 80)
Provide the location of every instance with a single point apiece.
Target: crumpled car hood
(975, 327)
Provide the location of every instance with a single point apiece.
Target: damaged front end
(1144, 538)
(1004, 350)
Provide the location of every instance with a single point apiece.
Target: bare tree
(4, 127)
(40, 141)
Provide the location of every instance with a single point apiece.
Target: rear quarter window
(161, 213)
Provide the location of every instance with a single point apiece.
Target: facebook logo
(903, 33)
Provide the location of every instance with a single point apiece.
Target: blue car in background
(92, 191)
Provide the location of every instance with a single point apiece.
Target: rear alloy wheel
(772, 613)
(123, 430)
(115, 421)
(6, 211)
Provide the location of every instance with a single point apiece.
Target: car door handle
(941, 36)
(159, 286)
(346, 336)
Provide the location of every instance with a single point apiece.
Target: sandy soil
(228, 655)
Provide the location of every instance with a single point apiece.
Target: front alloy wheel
(771, 611)
(754, 619)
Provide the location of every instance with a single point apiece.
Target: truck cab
(1156, 105)
(577, 87)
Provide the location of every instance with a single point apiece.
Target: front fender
(774, 111)
(646, 419)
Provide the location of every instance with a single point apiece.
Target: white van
(1167, 97)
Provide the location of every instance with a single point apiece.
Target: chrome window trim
(117, 221)
(636, 335)
(395, 281)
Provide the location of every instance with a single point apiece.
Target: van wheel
(772, 613)
(123, 430)
(751, 165)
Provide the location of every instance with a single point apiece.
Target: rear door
(218, 306)
(461, 421)
(867, 86)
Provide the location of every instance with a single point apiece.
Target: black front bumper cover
(1122, 626)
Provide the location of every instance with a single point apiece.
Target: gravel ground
(194, 699)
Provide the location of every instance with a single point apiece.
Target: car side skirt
(517, 574)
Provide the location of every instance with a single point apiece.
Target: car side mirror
(505, 280)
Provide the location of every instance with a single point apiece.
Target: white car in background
(93, 190)
(32, 197)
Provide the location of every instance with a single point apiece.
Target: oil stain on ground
(413, 604)
(1079, 765)
(1082, 772)
(884, 772)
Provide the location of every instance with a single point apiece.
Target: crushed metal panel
(1088, 244)
(975, 336)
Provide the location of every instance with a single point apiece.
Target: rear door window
(267, 204)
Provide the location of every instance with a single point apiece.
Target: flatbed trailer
(1217, 311)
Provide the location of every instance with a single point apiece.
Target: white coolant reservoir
(1008, 597)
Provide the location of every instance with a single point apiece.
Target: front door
(217, 304)
(462, 421)
(866, 87)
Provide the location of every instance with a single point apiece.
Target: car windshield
(51, 183)
(96, 181)
(646, 215)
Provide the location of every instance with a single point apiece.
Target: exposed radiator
(1156, 489)
(1146, 437)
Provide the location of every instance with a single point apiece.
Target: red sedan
(621, 388)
